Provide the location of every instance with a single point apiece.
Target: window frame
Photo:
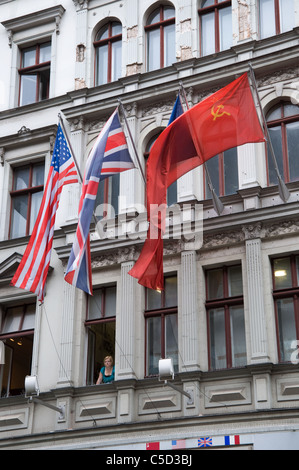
(103, 42)
(29, 191)
(221, 176)
(14, 335)
(161, 24)
(103, 319)
(286, 293)
(282, 122)
(225, 303)
(216, 7)
(277, 13)
(162, 312)
(34, 69)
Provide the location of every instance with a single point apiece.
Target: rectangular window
(223, 171)
(225, 315)
(16, 332)
(26, 196)
(276, 16)
(100, 325)
(161, 326)
(35, 73)
(285, 293)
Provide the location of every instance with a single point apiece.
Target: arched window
(215, 26)
(160, 38)
(283, 125)
(276, 16)
(107, 45)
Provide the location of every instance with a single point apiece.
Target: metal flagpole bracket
(283, 190)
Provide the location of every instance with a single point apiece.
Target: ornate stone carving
(252, 231)
(81, 4)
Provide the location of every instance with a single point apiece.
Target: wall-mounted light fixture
(166, 372)
(32, 392)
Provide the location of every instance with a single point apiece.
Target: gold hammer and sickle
(218, 113)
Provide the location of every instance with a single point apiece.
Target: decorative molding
(37, 18)
(81, 4)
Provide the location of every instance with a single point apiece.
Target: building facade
(229, 314)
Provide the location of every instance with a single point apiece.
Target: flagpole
(75, 160)
(132, 141)
(218, 205)
(283, 190)
(70, 147)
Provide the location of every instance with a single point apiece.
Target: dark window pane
(282, 273)
(171, 340)
(235, 285)
(238, 339)
(215, 284)
(275, 136)
(213, 168)
(292, 130)
(231, 178)
(170, 286)
(153, 345)
(286, 327)
(217, 338)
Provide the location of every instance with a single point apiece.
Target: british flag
(33, 269)
(108, 156)
(205, 442)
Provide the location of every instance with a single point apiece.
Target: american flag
(32, 272)
(179, 444)
(108, 156)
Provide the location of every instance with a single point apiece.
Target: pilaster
(66, 369)
(189, 318)
(257, 321)
(126, 324)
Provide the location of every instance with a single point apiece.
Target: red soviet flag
(222, 121)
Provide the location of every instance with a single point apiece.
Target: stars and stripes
(32, 272)
(108, 156)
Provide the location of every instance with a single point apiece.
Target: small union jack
(205, 442)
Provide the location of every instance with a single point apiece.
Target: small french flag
(231, 440)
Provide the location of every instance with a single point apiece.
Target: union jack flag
(205, 442)
(33, 269)
(108, 156)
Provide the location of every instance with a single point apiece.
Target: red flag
(222, 121)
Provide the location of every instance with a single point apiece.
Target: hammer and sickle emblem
(219, 112)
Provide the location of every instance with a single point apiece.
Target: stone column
(257, 321)
(189, 351)
(126, 324)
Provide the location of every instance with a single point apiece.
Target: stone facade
(255, 401)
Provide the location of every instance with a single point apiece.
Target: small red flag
(224, 120)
